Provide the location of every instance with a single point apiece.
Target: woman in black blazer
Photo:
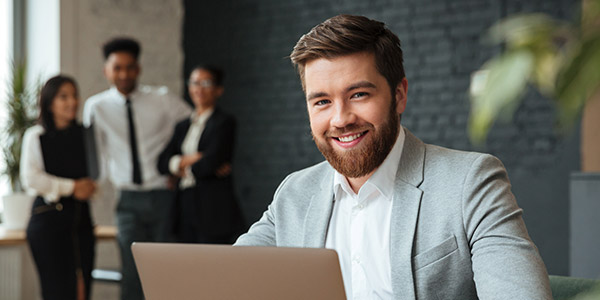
(60, 232)
(206, 209)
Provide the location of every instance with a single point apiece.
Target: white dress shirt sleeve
(32, 171)
(87, 114)
(174, 164)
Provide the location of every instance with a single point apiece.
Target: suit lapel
(405, 211)
(319, 213)
(208, 128)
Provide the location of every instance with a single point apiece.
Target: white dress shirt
(190, 146)
(359, 229)
(155, 113)
(33, 173)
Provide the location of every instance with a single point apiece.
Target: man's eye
(360, 94)
(322, 102)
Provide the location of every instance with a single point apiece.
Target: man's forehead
(359, 61)
(343, 72)
(120, 57)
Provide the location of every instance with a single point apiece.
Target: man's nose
(343, 115)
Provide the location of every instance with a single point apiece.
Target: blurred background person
(132, 124)
(199, 155)
(53, 167)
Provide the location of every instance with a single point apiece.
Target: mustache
(334, 132)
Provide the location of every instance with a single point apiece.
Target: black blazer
(217, 212)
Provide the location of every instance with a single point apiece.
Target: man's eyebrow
(361, 84)
(357, 85)
(316, 95)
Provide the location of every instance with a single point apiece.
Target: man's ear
(400, 94)
(104, 71)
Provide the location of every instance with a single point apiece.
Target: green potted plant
(558, 58)
(562, 61)
(20, 103)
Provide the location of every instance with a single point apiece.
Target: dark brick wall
(442, 41)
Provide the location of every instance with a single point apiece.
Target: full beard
(364, 159)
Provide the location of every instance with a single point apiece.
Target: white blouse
(32, 171)
(190, 146)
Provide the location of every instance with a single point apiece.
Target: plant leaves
(522, 30)
(20, 105)
(578, 80)
(505, 81)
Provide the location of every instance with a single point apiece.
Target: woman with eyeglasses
(54, 167)
(199, 156)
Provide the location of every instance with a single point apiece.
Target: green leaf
(21, 106)
(505, 81)
(547, 63)
(577, 82)
(522, 30)
(590, 16)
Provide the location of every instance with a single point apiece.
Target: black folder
(91, 156)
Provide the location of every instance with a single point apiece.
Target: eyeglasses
(202, 83)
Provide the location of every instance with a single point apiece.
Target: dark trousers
(190, 230)
(61, 239)
(142, 216)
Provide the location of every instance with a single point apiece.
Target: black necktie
(137, 173)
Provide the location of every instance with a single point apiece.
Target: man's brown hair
(348, 34)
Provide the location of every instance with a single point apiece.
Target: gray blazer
(456, 229)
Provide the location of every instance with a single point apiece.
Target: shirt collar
(384, 177)
(203, 117)
(122, 98)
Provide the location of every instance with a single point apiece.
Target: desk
(17, 237)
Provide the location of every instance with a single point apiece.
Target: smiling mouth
(350, 138)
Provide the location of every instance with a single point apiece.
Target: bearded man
(408, 220)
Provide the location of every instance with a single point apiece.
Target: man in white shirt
(408, 220)
(132, 125)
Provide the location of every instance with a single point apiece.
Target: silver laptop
(193, 271)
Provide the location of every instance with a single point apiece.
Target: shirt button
(356, 260)
(360, 206)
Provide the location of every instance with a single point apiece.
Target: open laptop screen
(194, 271)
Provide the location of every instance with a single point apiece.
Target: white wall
(42, 39)
(6, 20)
(156, 24)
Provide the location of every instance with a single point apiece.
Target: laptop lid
(195, 271)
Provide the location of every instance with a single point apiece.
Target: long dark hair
(47, 95)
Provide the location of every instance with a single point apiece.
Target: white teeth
(350, 138)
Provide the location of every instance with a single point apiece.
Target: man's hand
(172, 182)
(83, 189)
(224, 170)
